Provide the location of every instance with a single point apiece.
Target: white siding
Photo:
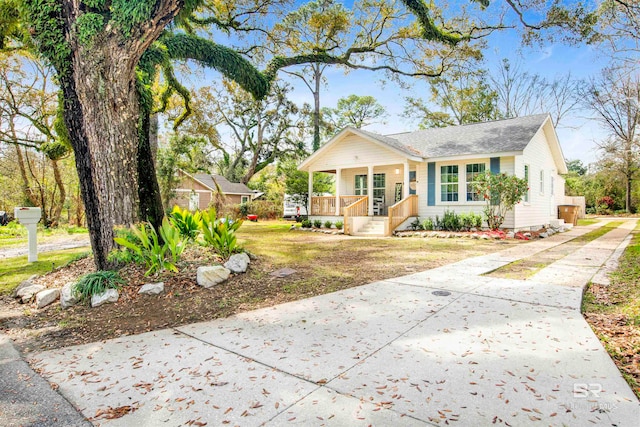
(506, 165)
(542, 205)
(354, 151)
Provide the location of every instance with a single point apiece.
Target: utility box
(569, 213)
(29, 217)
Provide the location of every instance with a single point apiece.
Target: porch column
(370, 189)
(338, 182)
(405, 186)
(310, 192)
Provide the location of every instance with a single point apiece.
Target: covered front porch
(380, 195)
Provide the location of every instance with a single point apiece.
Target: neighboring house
(384, 182)
(196, 191)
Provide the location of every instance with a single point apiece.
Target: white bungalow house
(384, 182)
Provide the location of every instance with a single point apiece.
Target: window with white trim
(449, 183)
(244, 199)
(473, 170)
(541, 181)
(361, 185)
(379, 188)
(526, 178)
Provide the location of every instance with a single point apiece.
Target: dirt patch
(323, 263)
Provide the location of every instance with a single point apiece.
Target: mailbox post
(29, 217)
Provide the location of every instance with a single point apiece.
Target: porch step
(373, 227)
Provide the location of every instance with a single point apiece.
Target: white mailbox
(29, 217)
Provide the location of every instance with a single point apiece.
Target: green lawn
(15, 270)
(588, 221)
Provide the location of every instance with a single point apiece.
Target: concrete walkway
(444, 346)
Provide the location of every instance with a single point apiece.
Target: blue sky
(578, 134)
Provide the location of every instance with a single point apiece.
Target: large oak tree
(106, 54)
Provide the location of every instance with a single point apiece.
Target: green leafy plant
(305, 223)
(317, 223)
(96, 283)
(188, 224)
(415, 224)
(328, 224)
(220, 233)
(339, 225)
(450, 221)
(501, 193)
(149, 248)
(427, 224)
(173, 239)
(244, 209)
(122, 254)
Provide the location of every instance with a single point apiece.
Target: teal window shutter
(494, 165)
(431, 184)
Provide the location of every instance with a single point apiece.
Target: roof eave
(304, 166)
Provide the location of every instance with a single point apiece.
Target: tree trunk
(27, 191)
(151, 208)
(316, 107)
(102, 112)
(57, 212)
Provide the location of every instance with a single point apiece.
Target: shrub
(470, 220)
(328, 224)
(415, 224)
(317, 223)
(220, 233)
(185, 222)
(450, 221)
(437, 224)
(339, 225)
(96, 283)
(427, 224)
(305, 223)
(501, 193)
(244, 209)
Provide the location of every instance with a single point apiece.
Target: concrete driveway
(445, 346)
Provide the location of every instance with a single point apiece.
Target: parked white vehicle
(293, 207)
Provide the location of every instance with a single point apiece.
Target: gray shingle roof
(227, 186)
(478, 138)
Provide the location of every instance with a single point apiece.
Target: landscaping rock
(152, 288)
(484, 237)
(26, 293)
(238, 263)
(46, 297)
(511, 235)
(283, 272)
(67, 297)
(22, 285)
(543, 235)
(527, 234)
(209, 276)
(110, 295)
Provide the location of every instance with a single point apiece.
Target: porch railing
(402, 210)
(323, 205)
(326, 205)
(358, 208)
